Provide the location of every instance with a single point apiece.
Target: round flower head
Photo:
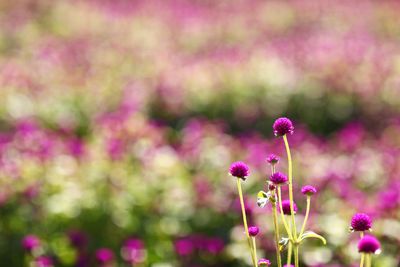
(253, 230)
(30, 242)
(104, 255)
(283, 126)
(308, 190)
(278, 178)
(264, 263)
(361, 222)
(272, 159)
(369, 244)
(287, 265)
(286, 207)
(240, 170)
(43, 261)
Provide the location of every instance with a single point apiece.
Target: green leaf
(311, 234)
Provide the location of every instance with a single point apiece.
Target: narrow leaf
(311, 234)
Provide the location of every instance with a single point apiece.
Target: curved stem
(283, 215)
(290, 173)
(276, 228)
(239, 187)
(306, 217)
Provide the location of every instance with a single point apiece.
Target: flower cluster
(282, 127)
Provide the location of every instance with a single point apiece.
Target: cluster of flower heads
(368, 244)
(360, 222)
(194, 244)
(132, 251)
(282, 127)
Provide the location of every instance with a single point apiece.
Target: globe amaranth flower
(308, 190)
(133, 251)
(286, 207)
(369, 244)
(253, 230)
(104, 255)
(283, 126)
(240, 170)
(288, 265)
(278, 178)
(43, 261)
(30, 242)
(263, 263)
(78, 239)
(361, 222)
(272, 159)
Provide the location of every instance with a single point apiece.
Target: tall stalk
(239, 187)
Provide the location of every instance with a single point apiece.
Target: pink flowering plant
(292, 236)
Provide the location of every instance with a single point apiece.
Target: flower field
(120, 119)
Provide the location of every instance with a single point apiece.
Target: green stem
(239, 187)
(306, 218)
(289, 254)
(254, 248)
(362, 260)
(368, 259)
(290, 173)
(276, 228)
(283, 215)
(296, 255)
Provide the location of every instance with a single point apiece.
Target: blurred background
(119, 120)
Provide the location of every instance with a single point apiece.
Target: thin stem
(362, 260)
(296, 255)
(276, 228)
(254, 248)
(306, 218)
(290, 173)
(283, 215)
(362, 234)
(368, 260)
(239, 187)
(289, 255)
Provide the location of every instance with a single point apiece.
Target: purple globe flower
(369, 244)
(30, 242)
(44, 261)
(104, 255)
(78, 239)
(264, 263)
(361, 222)
(240, 170)
(184, 246)
(253, 230)
(308, 190)
(278, 178)
(286, 265)
(286, 207)
(133, 251)
(272, 159)
(283, 126)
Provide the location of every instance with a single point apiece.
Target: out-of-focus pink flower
(133, 251)
(30, 242)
